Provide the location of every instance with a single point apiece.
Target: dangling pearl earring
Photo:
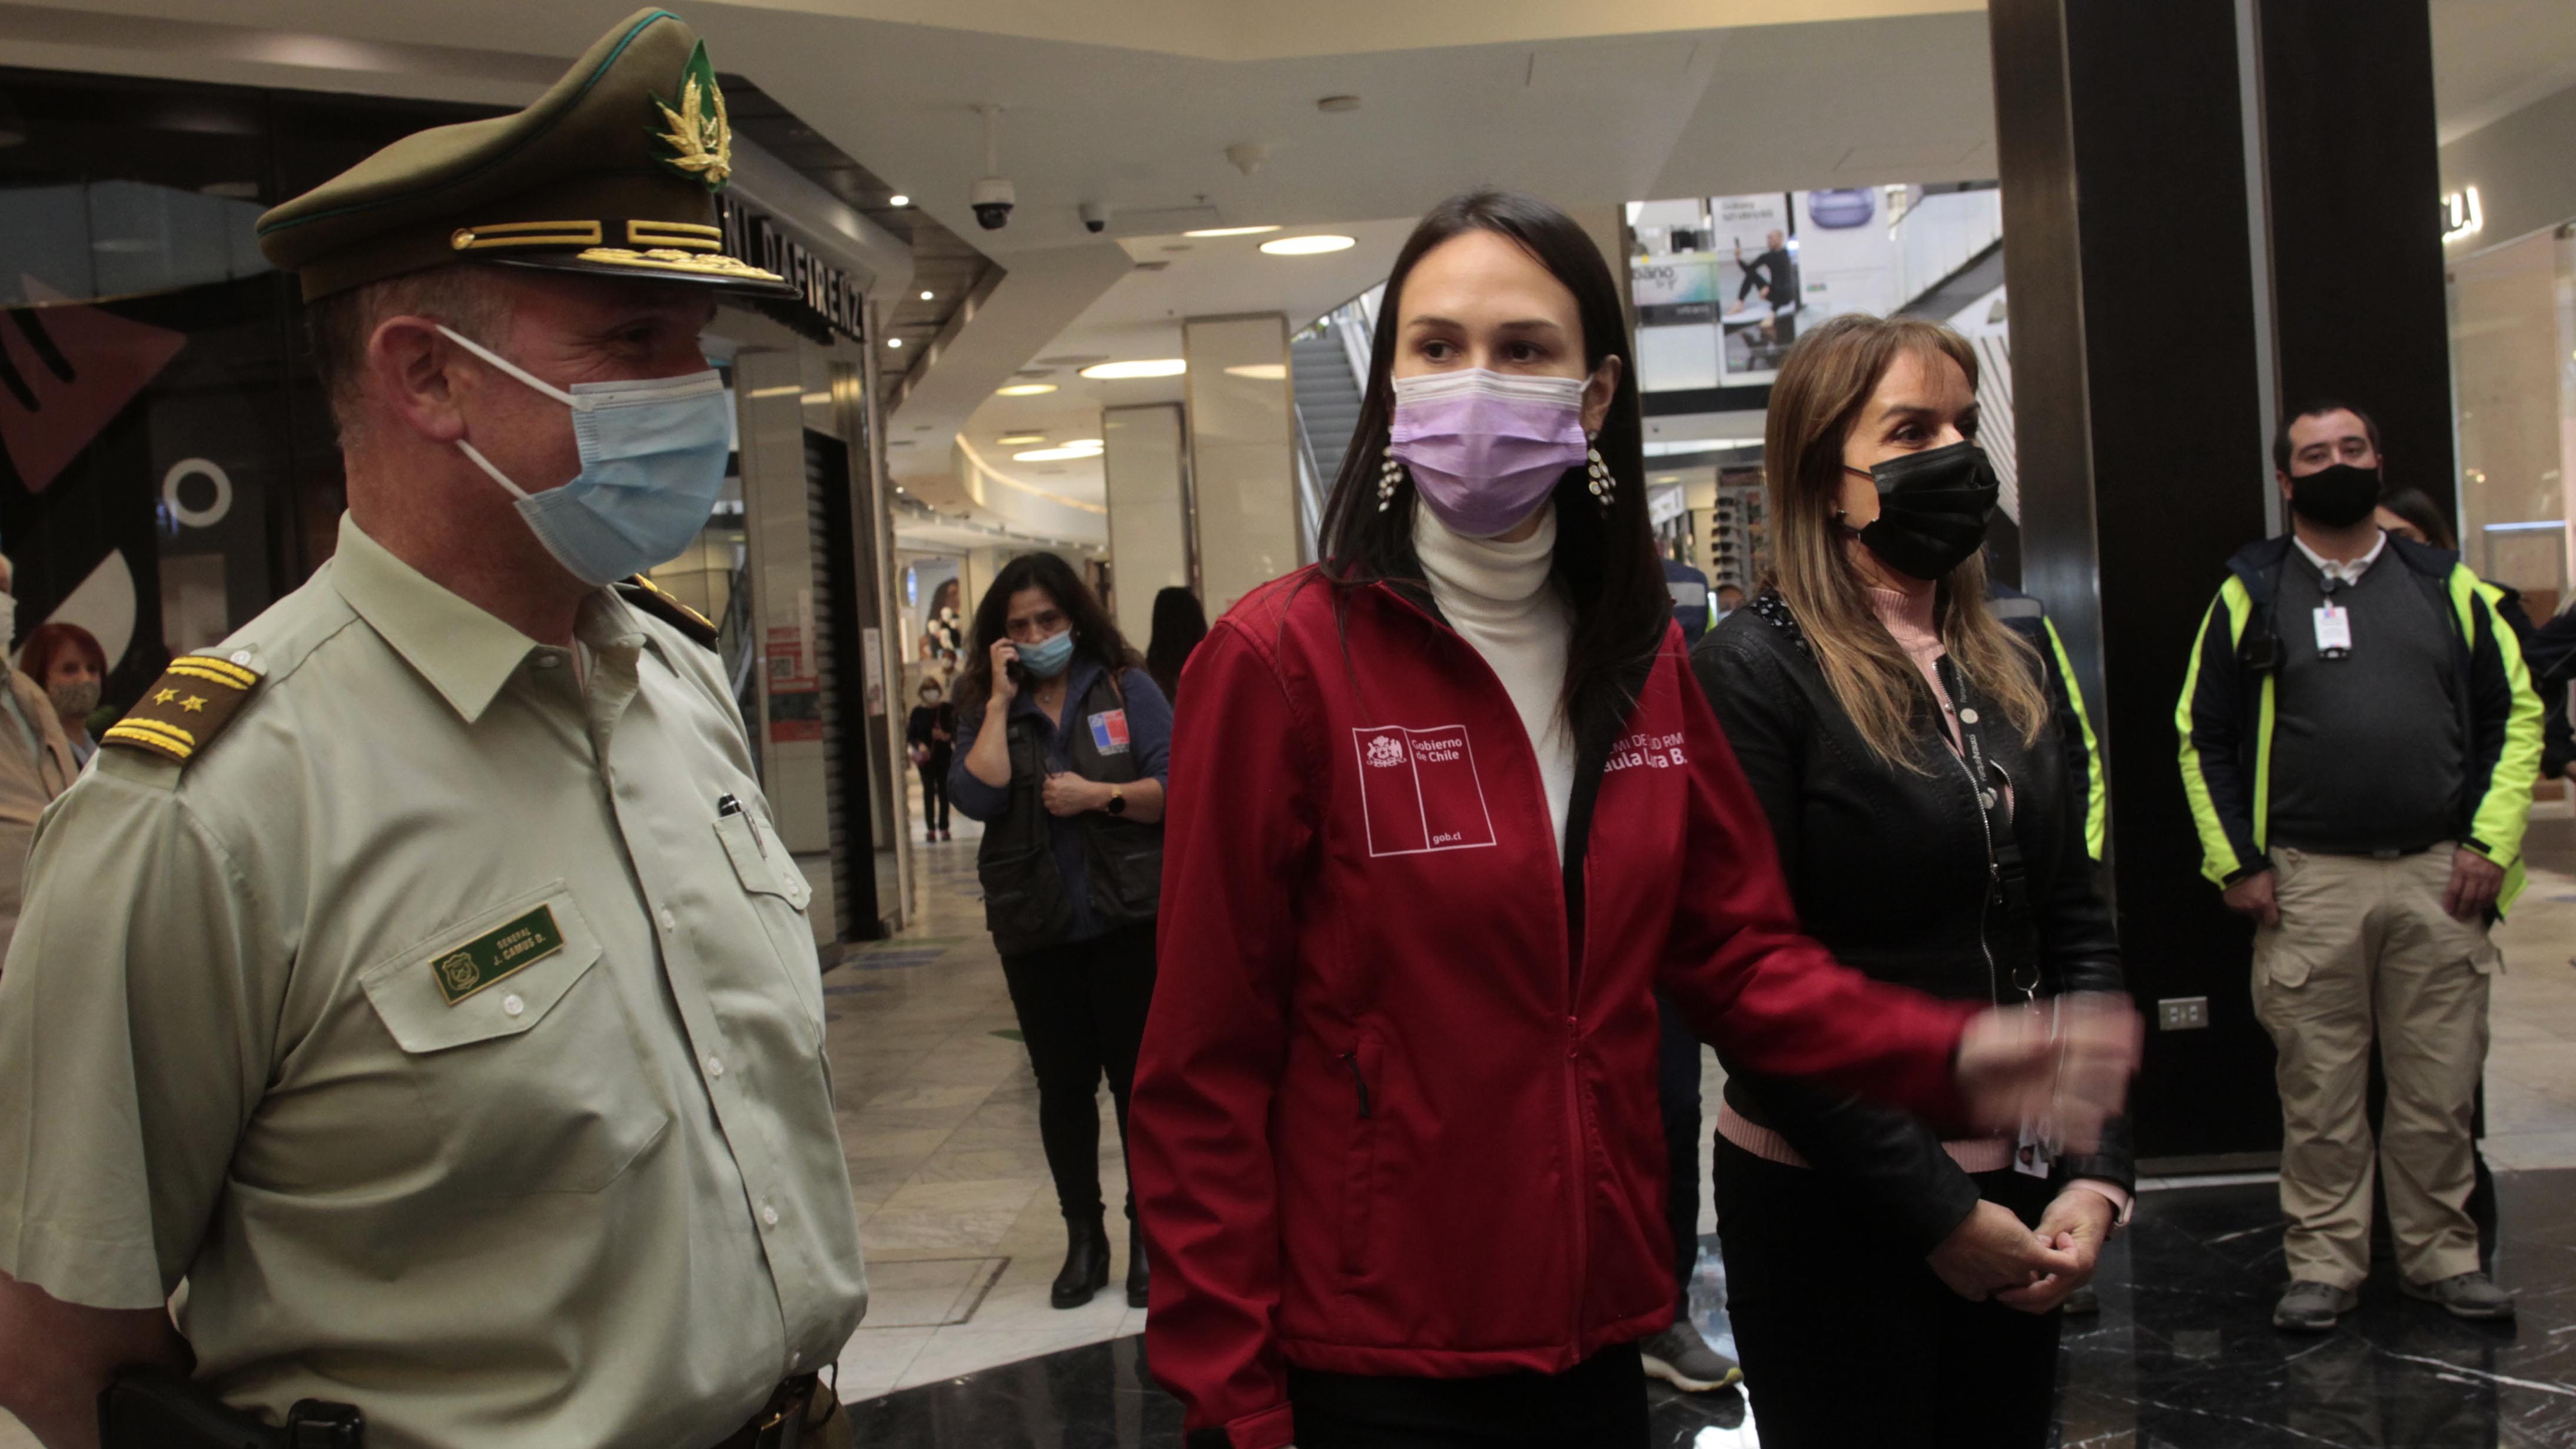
(1389, 474)
(1602, 484)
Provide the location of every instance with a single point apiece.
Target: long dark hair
(1605, 558)
(2412, 504)
(1095, 634)
(1179, 625)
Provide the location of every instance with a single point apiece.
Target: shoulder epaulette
(185, 708)
(655, 600)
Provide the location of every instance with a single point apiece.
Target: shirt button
(1968, 716)
(769, 1217)
(549, 661)
(715, 1066)
(241, 656)
(513, 1005)
(669, 922)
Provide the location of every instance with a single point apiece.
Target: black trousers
(1843, 1334)
(1599, 1403)
(934, 794)
(1677, 1093)
(1082, 1014)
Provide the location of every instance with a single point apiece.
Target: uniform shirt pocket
(524, 1058)
(778, 895)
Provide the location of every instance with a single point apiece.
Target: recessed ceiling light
(782, 390)
(1307, 246)
(1260, 371)
(1230, 231)
(1094, 444)
(898, 199)
(1024, 389)
(894, 342)
(1150, 367)
(925, 296)
(1669, 478)
(1020, 440)
(1054, 455)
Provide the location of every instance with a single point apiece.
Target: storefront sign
(828, 291)
(2461, 217)
(795, 691)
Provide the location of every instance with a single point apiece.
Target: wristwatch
(1117, 801)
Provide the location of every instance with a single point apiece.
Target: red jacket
(1385, 1121)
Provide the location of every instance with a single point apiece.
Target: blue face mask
(652, 462)
(1047, 658)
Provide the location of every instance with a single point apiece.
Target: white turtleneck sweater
(1499, 597)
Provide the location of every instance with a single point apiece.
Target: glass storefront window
(167, 465)
(2513, 331)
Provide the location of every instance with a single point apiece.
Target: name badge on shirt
(498, 954)
(2334, 631)
(1109, 732)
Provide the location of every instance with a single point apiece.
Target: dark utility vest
(1025, 905)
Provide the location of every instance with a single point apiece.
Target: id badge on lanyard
(2334, 630)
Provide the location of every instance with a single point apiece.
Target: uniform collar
(465, 653)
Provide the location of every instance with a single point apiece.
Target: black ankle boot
(1086, 1263)
(1136, 1273)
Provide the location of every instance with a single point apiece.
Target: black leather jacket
(1889, 869)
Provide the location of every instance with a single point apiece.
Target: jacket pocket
(524, 1058)
(1359, 1169)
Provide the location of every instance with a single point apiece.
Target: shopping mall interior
(1103, 280)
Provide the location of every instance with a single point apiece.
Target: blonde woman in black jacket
(1902, 743)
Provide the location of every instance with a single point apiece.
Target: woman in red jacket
(1443, 811)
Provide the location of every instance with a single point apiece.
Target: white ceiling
(2493, 57)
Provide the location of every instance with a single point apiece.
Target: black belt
(780, 1424)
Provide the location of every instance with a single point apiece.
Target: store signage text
(2460, 215)
(827, 290)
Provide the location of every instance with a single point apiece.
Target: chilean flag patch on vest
(1109, 732)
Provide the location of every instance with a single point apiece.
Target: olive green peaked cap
(613, 171)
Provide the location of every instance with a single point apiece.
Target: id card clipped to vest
(2334, 630)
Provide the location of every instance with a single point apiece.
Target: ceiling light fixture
(1024, 389)
(1094, 444)
(782, 390)
(1020, 440)
(1150, 367)
(898, 199)
(1307, 246)
(1260, 371)
(925, 296)
(1054, 455)
(1230, 231)
(894, 342)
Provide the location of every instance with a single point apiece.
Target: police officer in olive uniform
(419, 974)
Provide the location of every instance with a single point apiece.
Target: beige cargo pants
(2364, 943)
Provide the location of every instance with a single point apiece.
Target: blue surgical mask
(652, 462)
(1048, 657)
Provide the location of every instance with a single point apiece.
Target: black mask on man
(1932, 509)
(2336, 497)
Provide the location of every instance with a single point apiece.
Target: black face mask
(2336, 497)
(1932, 509)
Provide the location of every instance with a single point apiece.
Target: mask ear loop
(523, 375)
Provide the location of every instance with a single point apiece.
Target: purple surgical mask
(1486, 448)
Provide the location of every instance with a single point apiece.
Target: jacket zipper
(1352, 1060)
(1577, 1163)
(1994, 879)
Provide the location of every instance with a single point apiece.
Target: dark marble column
(2159, 300)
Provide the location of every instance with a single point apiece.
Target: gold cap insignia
(699, 140)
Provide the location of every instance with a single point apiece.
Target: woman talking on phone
(1901, 742)
(1061, 746)
(1447, 808)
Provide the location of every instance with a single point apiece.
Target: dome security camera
(993, 199)
(1095, 217)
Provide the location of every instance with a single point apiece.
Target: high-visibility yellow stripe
(2218, 853)
(2097, 789)
(2504, 813)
